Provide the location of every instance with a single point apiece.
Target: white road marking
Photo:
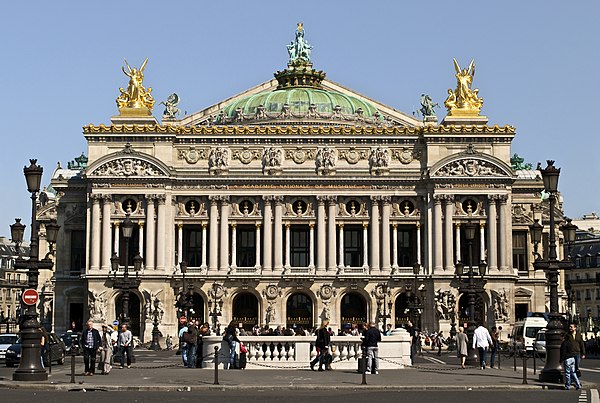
(435, 360)
(594, 398)
(590, 369)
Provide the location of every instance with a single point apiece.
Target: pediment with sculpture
(127, 163)
(471, 164)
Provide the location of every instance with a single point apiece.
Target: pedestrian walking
(105, 350)
(322, 345)
(371, 339)
(439, 342)
(232, 340)
(90, 340)
(183, 346)
(461, 346)
(125, 341)
(482, 340)
(572, 350)
(191, 338)
(494, 346)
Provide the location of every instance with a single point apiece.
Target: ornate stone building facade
(294, 201)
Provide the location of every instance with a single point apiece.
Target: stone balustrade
(294, 352)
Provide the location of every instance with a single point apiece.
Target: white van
(523, 334)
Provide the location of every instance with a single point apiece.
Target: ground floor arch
(198, 308)
(353, 309)
(134, 311)
(245, 310)
(463, 309)
(299, 311)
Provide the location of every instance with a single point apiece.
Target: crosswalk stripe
(594, 398)
(435, 360)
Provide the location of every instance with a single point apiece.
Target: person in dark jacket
(571, 350)
(192, 344)
(371, 338)
(90, 340)
(232, 340)
(322, 345)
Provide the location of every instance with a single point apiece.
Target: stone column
(268, 224)
(321, 239)
(288, 245)
(257, 258)
(457, 236)
(437, 235)
(278, 234)
(224, 236)
(482, 241)
(492, 244)
(374, 235)
(161, 233)
(233, 245)
(116, 235)
(418, 243)
(180, 256)
(448, 241)
(149, 261)
(141, 238)
(96, 240)
(385, 233)
(341, 263)
(394, 246)
(503, 235)
(331, 235)
(106, 232)
(213, 255)
(311, 246)
(204, 245)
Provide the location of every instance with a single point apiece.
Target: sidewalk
(163, 371)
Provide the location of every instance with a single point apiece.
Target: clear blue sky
(537, 68)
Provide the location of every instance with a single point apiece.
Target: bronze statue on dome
(464, 101)
(135, 96)
(299, 49)
(427, 106)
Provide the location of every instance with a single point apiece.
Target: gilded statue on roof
(299, 49)
(135, 96)
(464, 101)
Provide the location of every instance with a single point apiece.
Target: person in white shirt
(482, 340)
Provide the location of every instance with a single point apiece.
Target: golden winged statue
(464, 101)
(135, 97)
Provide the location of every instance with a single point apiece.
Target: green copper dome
(299, 101)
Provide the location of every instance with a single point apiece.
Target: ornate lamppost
(126, 284)
(155, 345)
(30, 367)
(215, 305)
(384, 307)
(471, 287)
(551, 266)
(184, 303)
(416, 297)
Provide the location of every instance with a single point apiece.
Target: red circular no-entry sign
(30, 297)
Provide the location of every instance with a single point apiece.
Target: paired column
(331, 236)
(341, 246)
(233, 245)
(96, 221)
(150, 233)
(224, 255)
(365, 247)
(204, 245)
(418, 242)
(482, 241)
(385, 233)
(311, 246)
(268, 224)
(181, 258)
(395, 246)
(448, 244)
(141, 238)
(492, 233)
(504, 233)
(374, 235)
(213, 256)
(106, 232)
(161, 229)
(278, 234)
(287, 245)
(321, 239)
(257, 258)
(457, 238)
(437, 235)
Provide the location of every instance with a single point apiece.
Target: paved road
(268, 396)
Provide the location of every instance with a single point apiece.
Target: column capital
(331, 199)
(267, 198)
(386, 199)
(457, 225)
(482, 225)
(365, 225)
(150, 197)
(233, 225)
(161, 199)
(418, 224)
(106, 198)
(96, 198)
(341, 224)
(311, 225)
(278, 200)
(447, 198)
(204, 225)
(258, 225)
(503, 199)
(116, 224)
(437, 199)
(141, 224)
(287, 225)
(179, 226)
(394, 225)
(214, 199)
(375, 198)
(321, 199)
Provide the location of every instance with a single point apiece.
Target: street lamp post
(126, 284)
(551, 266)
(384, 307)
(30, 366)
(155, 345)
(416, 297)
(215, 305)
(471, 288)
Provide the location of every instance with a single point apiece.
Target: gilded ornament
(135, 100)
(464, 101)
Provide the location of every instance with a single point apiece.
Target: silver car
(539, 344)
(6, 340)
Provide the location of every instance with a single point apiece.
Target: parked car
(56, 347)
(540, 342)
(6, 340)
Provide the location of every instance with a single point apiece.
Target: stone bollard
(216, 382)
(364, 366)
